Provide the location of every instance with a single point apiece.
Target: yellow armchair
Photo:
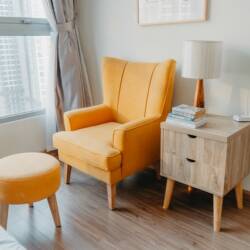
(115, 139)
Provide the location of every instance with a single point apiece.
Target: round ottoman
(26, 178)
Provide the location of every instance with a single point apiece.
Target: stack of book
(188, 116)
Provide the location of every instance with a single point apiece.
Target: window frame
(23, 115)
(23, 26)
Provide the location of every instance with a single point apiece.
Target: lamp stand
(199, 94)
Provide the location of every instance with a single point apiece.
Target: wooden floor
(138, 223)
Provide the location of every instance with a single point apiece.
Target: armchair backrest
(136, 90)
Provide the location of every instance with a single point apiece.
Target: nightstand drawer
(204, 176)
(176, 167)
(181, 144)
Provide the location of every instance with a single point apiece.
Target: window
(24, 57)
(22, 8)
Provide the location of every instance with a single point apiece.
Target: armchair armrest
(86, 117)
(139, 142)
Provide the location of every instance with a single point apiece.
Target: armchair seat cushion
(93, 145)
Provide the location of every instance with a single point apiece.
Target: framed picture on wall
(171, 11)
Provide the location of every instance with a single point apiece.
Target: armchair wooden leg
(111, 190)
(54, 210)
(239, 195)
(218, 201)
(67, 173)
(4, 209)
(168, 193)
(158, 171)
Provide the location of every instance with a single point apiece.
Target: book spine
(181, 117)
(189, 111)
(180, 123)
(188, 124)
(183, 114)
(181, 110)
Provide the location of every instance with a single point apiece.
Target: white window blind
(24, 57)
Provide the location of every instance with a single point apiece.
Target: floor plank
(139, 222)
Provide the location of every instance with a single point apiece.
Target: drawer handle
(192, 136)
(190, 160)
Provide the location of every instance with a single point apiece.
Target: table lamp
(201, 60)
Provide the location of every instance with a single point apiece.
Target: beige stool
(27, 178)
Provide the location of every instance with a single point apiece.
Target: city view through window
(23, 62)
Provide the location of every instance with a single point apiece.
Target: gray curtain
(72, 87)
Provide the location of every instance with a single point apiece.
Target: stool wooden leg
(111, 190)
(67, 173)
(4, 209)
(168, 193)
(31, 204)
(54, 210)
(218, 201)
(239, 195)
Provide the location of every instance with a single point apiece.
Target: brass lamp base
(199, 94)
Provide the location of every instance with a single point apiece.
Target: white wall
(109, 27)
(23, 136)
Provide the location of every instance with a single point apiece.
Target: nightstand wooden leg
(239, 195)
(190, 189)
(168, 193)
(218, 201)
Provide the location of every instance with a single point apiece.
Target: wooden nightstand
(214, 158)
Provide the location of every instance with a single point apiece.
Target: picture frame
(153, 12)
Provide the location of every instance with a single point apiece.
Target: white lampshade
(202, 59)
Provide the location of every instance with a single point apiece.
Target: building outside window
(24, 57)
